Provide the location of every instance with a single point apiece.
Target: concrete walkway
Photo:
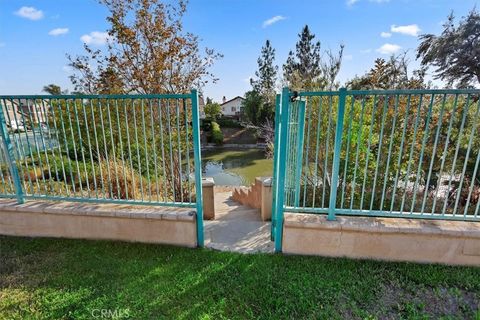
(236, 228)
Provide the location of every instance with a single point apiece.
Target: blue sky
(35, 35)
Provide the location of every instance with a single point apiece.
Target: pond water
(235, 167)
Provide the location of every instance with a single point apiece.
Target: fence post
(280, 183)
(10, 157)
(275, 165)
(198, 167)
(336, 153)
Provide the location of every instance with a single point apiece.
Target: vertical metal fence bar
(372, 124)
(113, 147)
(67, 151)
(444, 154)
(412, 149)
(60, 153)
(37, 148)
(165, 198)
(392, 133)
(170, 143)
(187, 142)
(105, 149)
(357, 152)
(336, 153)
(425, 137)
(44, 146)
(10, 157)
(379, 151)
(74, 147)
(177, 116)
(281, 170)
(129, 148)
(19, 148)
(89, 141)
(97, 147)
(198, 167)
(77, 120)
(349, 137)
(154, 144)
(434, 152)
(307, 160)
(317, 150)
(472, 185)
(275, 165)
(327, 144)
(122, 153)
(400, 153)
(299, 159)
(51, 147)
(146, 151)
(26, 124)
(137, 146)
(462, 177)
(288, 157)
(457, 148)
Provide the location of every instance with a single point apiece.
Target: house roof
(232, 100)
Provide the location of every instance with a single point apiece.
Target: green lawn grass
(70, 279)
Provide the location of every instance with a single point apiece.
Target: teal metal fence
(132, 149)
(392, 153)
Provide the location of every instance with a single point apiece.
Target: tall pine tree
(305, 69)
(266, 74)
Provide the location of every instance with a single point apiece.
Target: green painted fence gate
(125, 149)
(389, 153)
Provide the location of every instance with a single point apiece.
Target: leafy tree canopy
(455, 53)
(212, 110)
(54, 89)
(147, 52)
(391, 74)
(256, 109)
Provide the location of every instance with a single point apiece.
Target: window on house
(234, 109)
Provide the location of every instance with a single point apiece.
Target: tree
(391, 74)
(305, 69)
(256, 109)
(212, 110)
(147, 52)
(455, 53)
(53, 89)
(266, 73)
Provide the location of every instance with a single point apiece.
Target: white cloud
(385, 34)
(365, 51)
(388, 48)
(410, 30)
(58, 31)
(348, 57)
(95, 37)
(29, 13)
(351, 2)
(272, 20)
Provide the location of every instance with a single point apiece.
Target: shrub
(229, 123)
(128, 180)
(217, 135)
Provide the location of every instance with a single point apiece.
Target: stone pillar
(208, 186)
(266, 209)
